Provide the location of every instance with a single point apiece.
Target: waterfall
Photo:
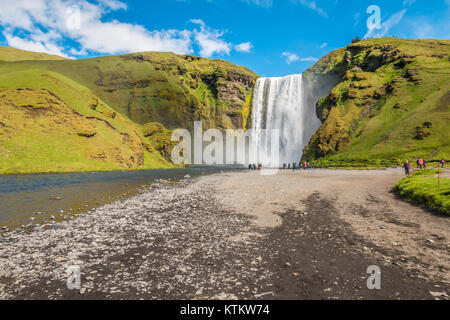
(281, 103)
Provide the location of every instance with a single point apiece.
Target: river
(31, 199)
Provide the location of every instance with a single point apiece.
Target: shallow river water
(35, 198)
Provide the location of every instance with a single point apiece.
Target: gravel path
(239, 235)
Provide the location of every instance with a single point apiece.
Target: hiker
(305, 165)
(284, 166)
(259, 166)
(254, 166)
(424, 164)
(443, 163)
(250, 166)
(289, 165)
(406, 166)
(294, 165)
(420, 163)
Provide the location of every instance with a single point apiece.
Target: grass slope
(391, 103)
(9, 54)
(49, 123)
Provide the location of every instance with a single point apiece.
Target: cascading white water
(280, 103)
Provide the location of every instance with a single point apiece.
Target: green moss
(246, 111)
(152, 128)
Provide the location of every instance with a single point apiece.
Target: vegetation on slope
(48, 123)
(61, 115)
(9, 54)
(422, 189)
(163, 87)
(389, 101)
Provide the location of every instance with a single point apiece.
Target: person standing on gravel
(407, 166)
(443, 163)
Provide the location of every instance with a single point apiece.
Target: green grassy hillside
(48, 124)
(389, 101)
(163, 87)
(110, 113)
(10, 54)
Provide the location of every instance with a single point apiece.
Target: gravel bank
(236, 235)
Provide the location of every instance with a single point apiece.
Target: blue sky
(270, 37)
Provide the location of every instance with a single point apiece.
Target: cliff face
(381, 101)
(111, 113)
(167, 88)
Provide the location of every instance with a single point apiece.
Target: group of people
(421, 164)
(253, 166)
(296, 166)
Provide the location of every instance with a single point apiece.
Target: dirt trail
(294, 235)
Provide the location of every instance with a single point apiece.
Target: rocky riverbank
(238, 235)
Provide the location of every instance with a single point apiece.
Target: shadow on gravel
(315, 255)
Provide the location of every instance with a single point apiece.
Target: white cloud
(114, 4)
(262, 3)
(244, 47)
(309, 59)
(209, 40)
(408, 2)
(198, 21)
(425, 28)
(290, 57)
(385, 26)
(48, 26)
(310, 4)
(323, 45)
(35, 45)
(357, 19)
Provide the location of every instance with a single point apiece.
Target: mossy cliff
(164, 87)
(381, 102)
(110, 113)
